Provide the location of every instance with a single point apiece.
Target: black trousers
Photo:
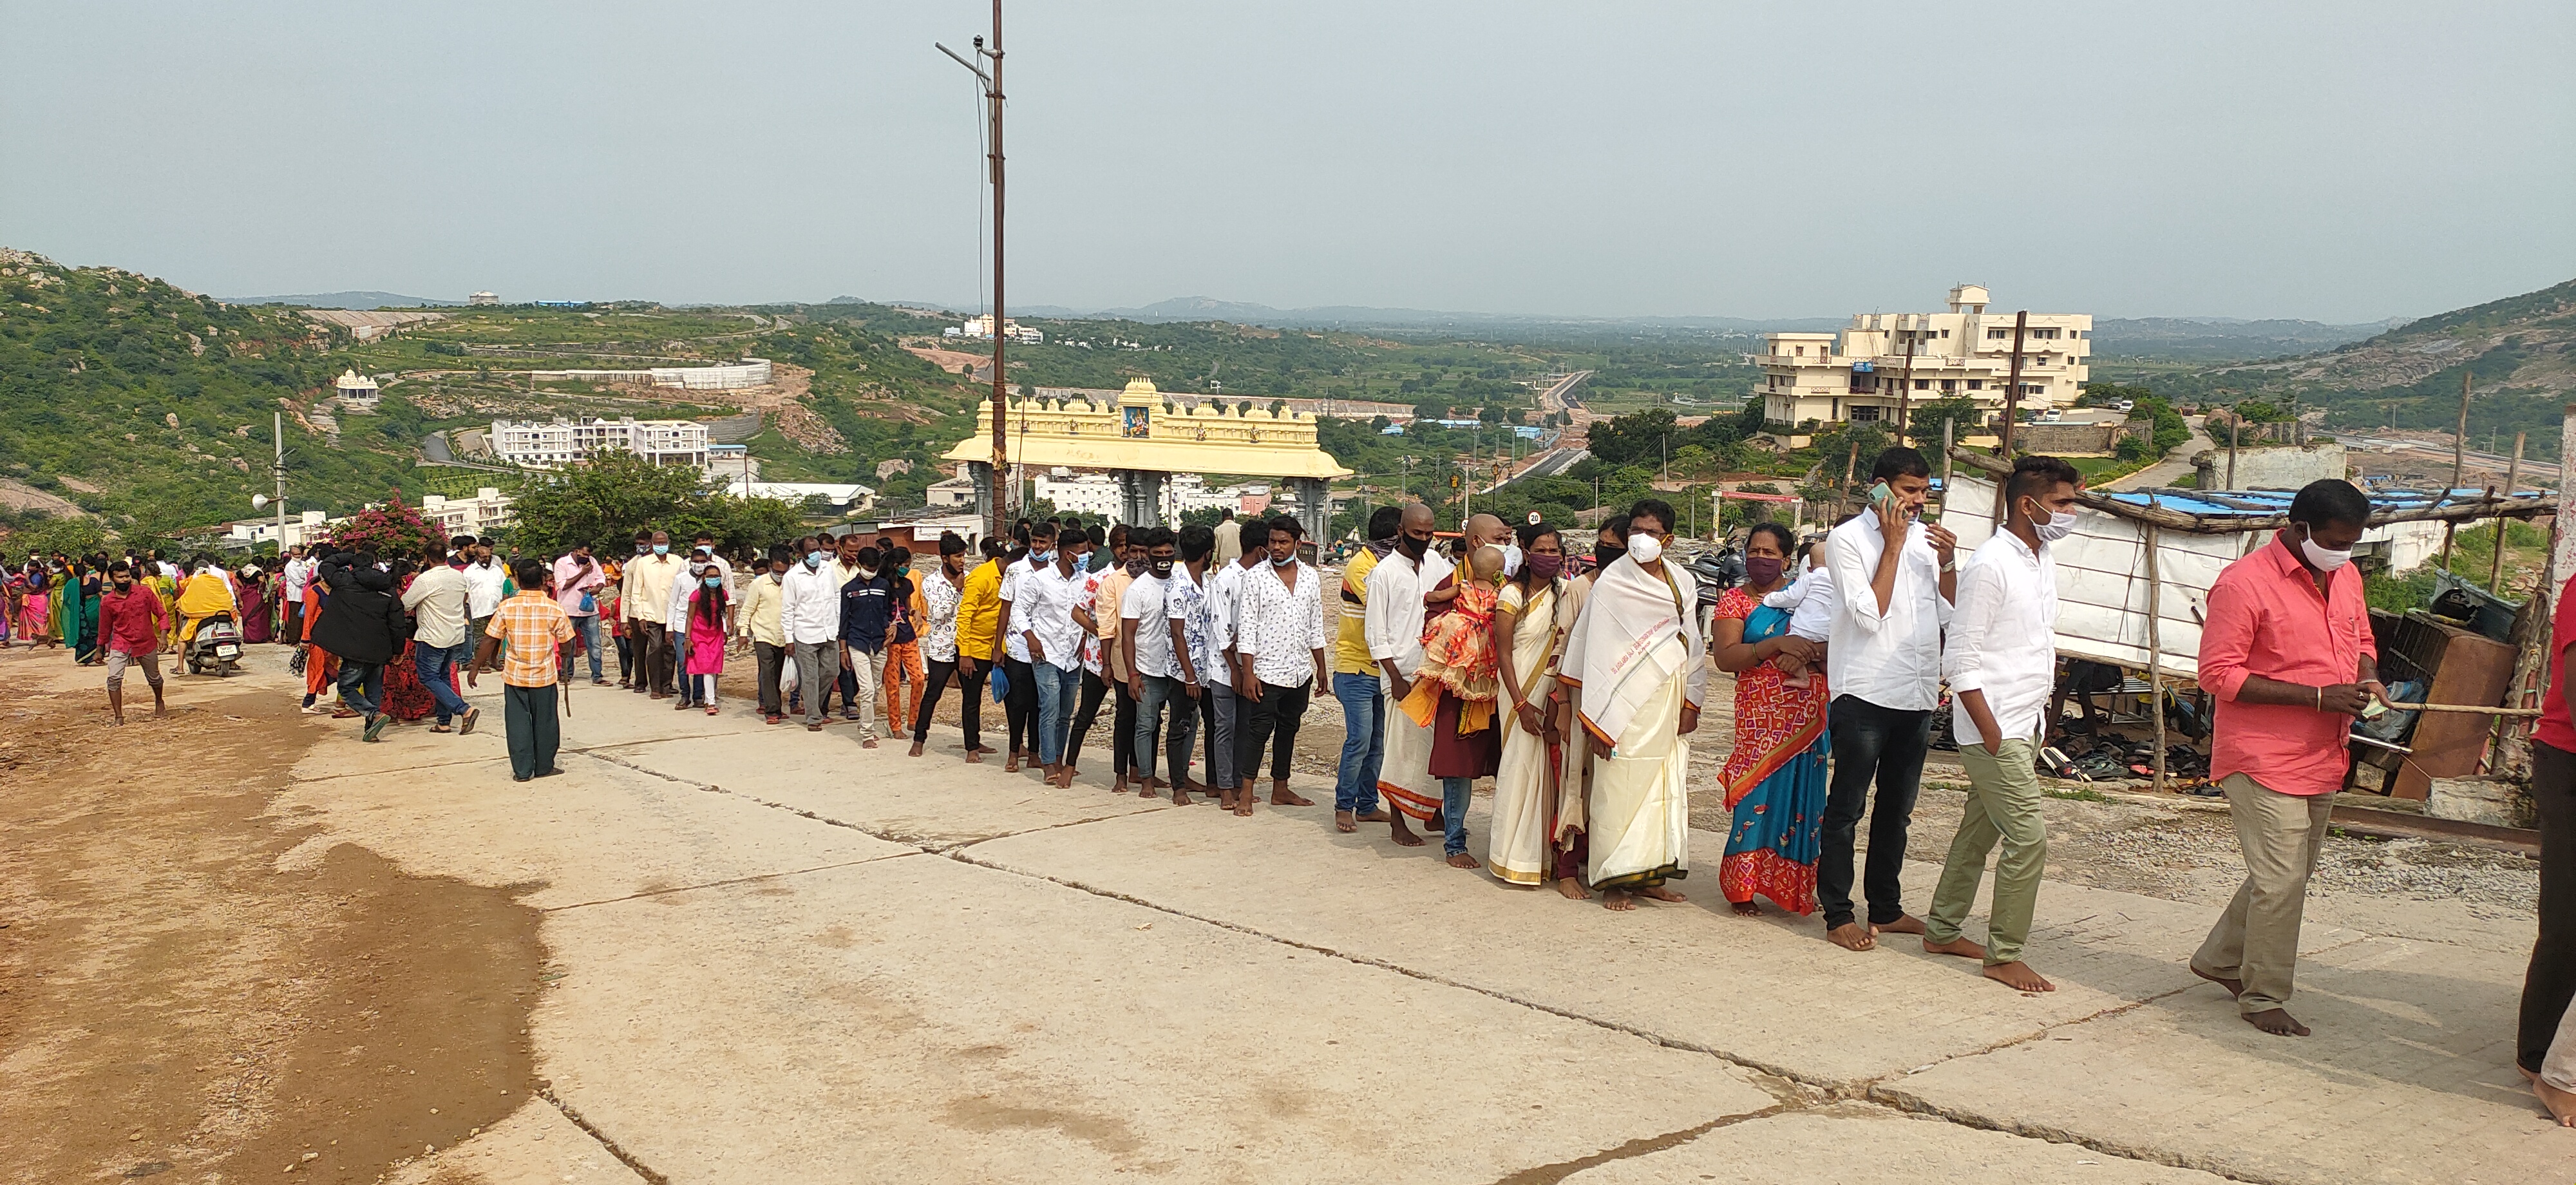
(1087, 713)
(528, 719)
(656, 675)
(1280, 712)
(773, 662)
(1885, 744)
(940, 677)
(1020, 706)
(2551, 981)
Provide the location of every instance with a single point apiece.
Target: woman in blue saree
(1775, 777)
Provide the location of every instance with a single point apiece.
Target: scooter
(216, 648)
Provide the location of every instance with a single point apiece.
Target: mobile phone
(1878, 492)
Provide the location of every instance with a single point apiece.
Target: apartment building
(563, 441)
(1862, 375)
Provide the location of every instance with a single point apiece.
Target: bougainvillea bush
(389, 530)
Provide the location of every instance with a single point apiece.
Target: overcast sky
(2340, 161)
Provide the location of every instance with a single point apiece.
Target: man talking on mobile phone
(1895, 579)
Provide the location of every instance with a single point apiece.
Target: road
(730, 953)
(1546, 464)
(2175, 464)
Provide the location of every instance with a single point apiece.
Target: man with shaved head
(1395, 609)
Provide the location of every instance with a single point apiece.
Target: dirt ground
(172, 1004)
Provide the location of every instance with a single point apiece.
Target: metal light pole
(995, 525)
(278, 471)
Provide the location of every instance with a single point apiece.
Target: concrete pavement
(784, 958)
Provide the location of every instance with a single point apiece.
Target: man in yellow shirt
(759, 621)
(1355, 683)
(979, 620)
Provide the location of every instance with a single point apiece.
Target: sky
(2342, 162)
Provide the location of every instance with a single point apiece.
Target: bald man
(1393, 626)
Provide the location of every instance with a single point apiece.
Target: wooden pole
(1905, 388)
(2234, 422)
(2460, 438)
(2512, 478)
(2012, 390)
(2531, 626)
(1948, 427)
(2155, 656)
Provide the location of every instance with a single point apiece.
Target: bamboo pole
(2200, 524)
(1948, 428)
(2512, 478)
(2155, 656)
(2234, 422)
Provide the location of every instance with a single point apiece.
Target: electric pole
(995, 525)
(279, 472)
(2012, 385)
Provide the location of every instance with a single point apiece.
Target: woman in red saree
(1775, 779)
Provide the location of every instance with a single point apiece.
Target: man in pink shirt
(2288, 654)
(578, 581)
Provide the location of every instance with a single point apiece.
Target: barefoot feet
(1956, 946)
(2561, 1104)
(2235, 987)
(1573, 889)
(1463, 860)
(1904, 924)
(1852, 936)
(1617, 900)
(1745, 909)
(1345, 822)
(1660, 893)
(2278, 1022)
(2018, 976)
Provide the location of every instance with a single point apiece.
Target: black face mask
(1162, 566)
(1412, 546)
(1603, 553)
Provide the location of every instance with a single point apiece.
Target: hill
(2516, 352)
(150, 405)
(349, 300)
(2219, 339)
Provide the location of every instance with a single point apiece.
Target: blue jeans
(433, 664)
(1454, 793)
(1184, 728)
(588, 628)
(1057, 689)
(1363, 743)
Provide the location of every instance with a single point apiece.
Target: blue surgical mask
(1040, 559)
(813, 559)
(1292, 558)
(1082, 563)
(661, 549)
(715, 582)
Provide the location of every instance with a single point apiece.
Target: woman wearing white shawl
(1637, 660)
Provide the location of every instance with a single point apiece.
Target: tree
(1923, 423)
(604, 500)
(1637, 436)
(389, 530)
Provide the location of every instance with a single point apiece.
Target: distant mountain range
(347, 300)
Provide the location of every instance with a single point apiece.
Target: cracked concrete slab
(934, 800)
(1859, 1142)
(599, 832)
(2409, 1077)
(535, 1143)
(1690, 973)
(936, 1021)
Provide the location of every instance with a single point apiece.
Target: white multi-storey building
(1092, 495)
(562, 441)
(980, 327)
(1861, 376)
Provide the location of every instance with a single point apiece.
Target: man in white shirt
(644, 602)
(1279, 655)
(1019, 702)
(1220, 708)
(1042, 619)
(2001, 662)
(1393, 626)
(483, 578)
(1156, 678)
(437, 602)
(809, 614)
(1884, 666)
(290, 582)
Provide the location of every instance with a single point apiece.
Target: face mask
(1040, 559)
(1082, 563)
(1511, 560)
(813, 559)
(1645, 548)
(715, 582)
(661, 549)
(1603, 553)
(1135, 566)
(124, 586)
(2323, 559)
(643, 548)
(1762, 569)
(1544, 566)
(1411, 546)
(1162, 566)
(1279, 563)
(2057, 526)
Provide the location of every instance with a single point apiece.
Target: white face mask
(2052, 527)
(2323, 559)
(1511, 560)
(1645, 548)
